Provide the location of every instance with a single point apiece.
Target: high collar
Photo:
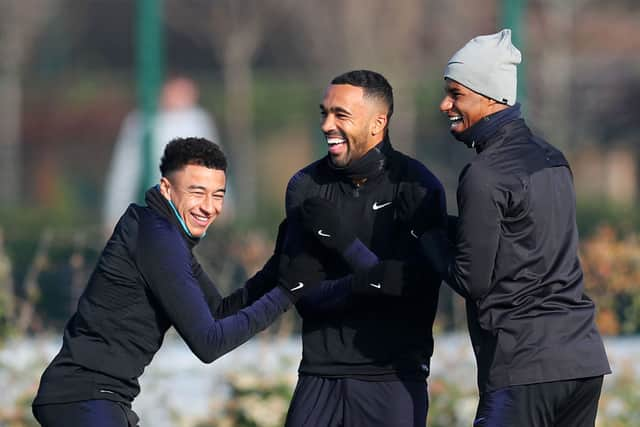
(479, 134)
(156, 201)
(368, 166)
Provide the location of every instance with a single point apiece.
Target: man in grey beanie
(514, 256)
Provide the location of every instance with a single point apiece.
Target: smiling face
(197, 192)
(352, 123)
(464, 107)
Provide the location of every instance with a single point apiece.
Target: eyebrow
(203, 188)
(335, 110)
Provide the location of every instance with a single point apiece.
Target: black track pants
(86, 413)
(572, 403)
(345, 402)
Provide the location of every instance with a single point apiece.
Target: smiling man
(366, 344)
(148, 280)
(540, 357)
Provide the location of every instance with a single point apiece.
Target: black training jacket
(517, 264)
(146, 281)
(374, 338)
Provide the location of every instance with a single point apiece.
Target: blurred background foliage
(68, 76)
(68, 79)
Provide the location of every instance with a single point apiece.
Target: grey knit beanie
(487, 65)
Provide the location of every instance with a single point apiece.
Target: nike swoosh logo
(323, 234)
(413, 233)
(479, 420)
(377, 206)
(299, 286)
(376, 285)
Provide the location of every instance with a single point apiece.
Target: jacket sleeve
(478, 233)
(218, 305)
(254, 288)
(165, 265)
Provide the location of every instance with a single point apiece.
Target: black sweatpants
(86, 413)
(346, 402)
(572, 403)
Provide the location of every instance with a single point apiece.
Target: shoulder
(414, 171)
(302, 183)
(157, 234)
(306, 174)
(477, 176)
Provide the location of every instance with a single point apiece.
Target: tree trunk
(239, 123)
(10, 124)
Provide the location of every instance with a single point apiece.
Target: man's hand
(299, 275)
(437, 250)
(413, 209)
(320, 218)
(389, 277)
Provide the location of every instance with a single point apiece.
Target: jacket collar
(479, 135)
(369, 166)
(156, 201)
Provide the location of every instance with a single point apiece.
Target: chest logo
(377, 205)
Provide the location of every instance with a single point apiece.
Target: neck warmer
(478, 134)
(157, 202)
(368, 166)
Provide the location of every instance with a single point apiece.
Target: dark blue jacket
(146, 281)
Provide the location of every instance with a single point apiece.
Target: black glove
(389, 277)
(299, 275)
(438, 250)
(413, 209)
(320, 218)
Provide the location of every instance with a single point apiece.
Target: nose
(208, 205)
(328, 123)
(446, 104)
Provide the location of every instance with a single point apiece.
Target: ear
(165, 188)
(378, 124)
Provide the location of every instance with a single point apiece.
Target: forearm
(331, 295)
(359, 257)
(211, 338)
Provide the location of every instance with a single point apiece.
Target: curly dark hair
(374, 85)
(181, 152)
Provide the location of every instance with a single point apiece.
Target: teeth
(455, 118)
(333, 141)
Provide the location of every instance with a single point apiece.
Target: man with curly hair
(147, 280)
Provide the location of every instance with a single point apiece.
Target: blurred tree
(20, 23)
(388, 37)
(7, 291)
(235, 30)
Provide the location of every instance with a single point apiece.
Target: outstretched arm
(259, 284)
(165, 264)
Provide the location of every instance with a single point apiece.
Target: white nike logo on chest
(377, 206)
